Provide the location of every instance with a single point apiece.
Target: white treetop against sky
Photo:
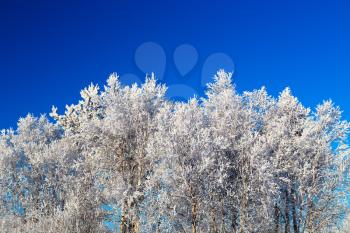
(228, 162)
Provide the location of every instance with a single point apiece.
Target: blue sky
(49, 50)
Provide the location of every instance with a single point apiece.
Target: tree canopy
(228, 162)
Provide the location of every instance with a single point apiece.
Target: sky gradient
(50, 50)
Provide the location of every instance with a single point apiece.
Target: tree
(227, 162)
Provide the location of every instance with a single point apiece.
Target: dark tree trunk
(194, 216)
(286, 212)
(234, 220)
(213, 221)
(277, 219)
(294, 212)
(223, 229)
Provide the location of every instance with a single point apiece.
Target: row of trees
(229, 162)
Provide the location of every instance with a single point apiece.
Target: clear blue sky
(49, 50)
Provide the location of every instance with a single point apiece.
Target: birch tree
(228, 162)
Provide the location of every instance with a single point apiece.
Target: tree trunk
(124, 221)
(194, 216)
(135, 226)
(310, 217)
(213, 221)
(135, 222)
(234, 220)
(286, 213)
(294, 212)
(123, 226)
(277, 218)
(223, 230)
(244, 206)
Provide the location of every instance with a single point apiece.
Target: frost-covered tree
(227, 162)
(114, 128)
(245, 180)
(179, 150)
